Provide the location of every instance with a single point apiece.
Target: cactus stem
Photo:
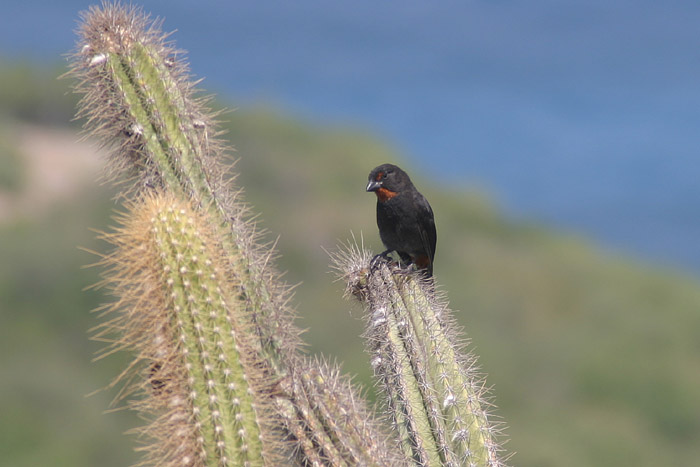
(435, 398)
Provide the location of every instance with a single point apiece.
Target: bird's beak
(374, 185)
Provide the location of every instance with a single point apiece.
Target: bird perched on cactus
(404, 217)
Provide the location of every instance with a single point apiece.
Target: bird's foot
(402, 266)
(378, 259)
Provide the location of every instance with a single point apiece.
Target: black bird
(404, 217)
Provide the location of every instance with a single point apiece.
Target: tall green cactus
(218, 371)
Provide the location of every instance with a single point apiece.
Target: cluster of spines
(435, 395)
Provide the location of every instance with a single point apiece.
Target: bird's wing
(426, 226)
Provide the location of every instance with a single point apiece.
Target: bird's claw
(396, 267)
(378, 259)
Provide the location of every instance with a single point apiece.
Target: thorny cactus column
(176, 310)
(218, 368)
(139, 101)
(435, 396)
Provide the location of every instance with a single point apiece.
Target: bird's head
(387, 180)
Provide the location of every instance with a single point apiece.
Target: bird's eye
(384, 174)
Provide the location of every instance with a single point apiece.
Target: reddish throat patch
(385, 195)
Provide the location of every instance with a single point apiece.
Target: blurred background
(556, 141)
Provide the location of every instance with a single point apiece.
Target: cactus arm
(435, 398)
(138, 98)
(175, 309)
(457, 389)
(395, 362)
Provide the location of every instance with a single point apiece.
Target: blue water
(581, 114)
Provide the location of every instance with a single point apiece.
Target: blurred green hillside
(594, 358)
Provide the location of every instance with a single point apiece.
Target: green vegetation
(593, 357)
(12, 164)
(35, 94)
